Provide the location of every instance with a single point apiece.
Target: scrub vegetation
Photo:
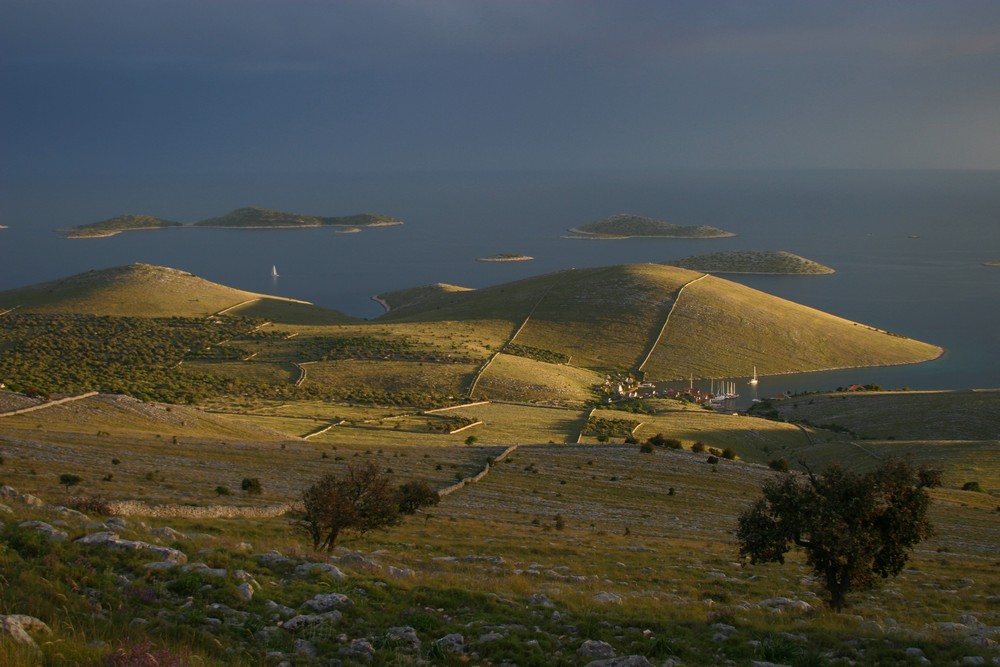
(557, 538)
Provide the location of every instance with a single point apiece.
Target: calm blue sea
(908, 247)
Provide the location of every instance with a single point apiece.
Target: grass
(564, 520)
(719, 329)
(125, 291)
(514, 378)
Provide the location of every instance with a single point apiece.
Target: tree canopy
(360, 500)
(854, 528)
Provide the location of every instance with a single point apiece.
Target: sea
(909, 247)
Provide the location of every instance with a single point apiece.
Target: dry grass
(513, 378)
(720, 329)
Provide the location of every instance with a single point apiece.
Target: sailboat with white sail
(753, 380)
(274, 271)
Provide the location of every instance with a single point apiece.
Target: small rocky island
(122, 223)
(996, 263)
(241, 218)
(506, 257)
(624, 226)
(751, 261)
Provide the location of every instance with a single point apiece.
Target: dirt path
(48, 404)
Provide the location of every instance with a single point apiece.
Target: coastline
(518, 258)
(339, 229)
(581, 234)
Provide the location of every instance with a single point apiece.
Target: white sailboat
(274, 271)
(753, 380)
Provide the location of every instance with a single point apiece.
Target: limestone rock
(359, 648)
(453, 643)
(322, 568)
(611, 598)
(406, 636)
(51, 534)
(245, 591)
(327, 601)
(623, 661)
(307, 620)
(596, 650)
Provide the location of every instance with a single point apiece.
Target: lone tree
(359, 500)
(852, 527)
(414, 495)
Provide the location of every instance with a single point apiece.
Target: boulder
(453, 643)
(596, 650)
(51, 534)
(327, 601)
(611, 598)
(322, 568)
(17, 627)
(301, 621)
(406, 636)
(623, 661)
(359, 648)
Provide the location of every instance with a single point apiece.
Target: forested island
(625, 226)
(116, 225)
(506, 257)
(241, 218)
(751, 261)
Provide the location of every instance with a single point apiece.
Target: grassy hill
(144, 290)
(627, 226)
(560, 333)
(720, 329)
(121, 223)
(749, 261)
(611, 318)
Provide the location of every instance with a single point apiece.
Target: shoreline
(759, 273)
(581, 234)
(517, 258)
(338, 228)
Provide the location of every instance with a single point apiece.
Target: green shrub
(972, 486)
(729, 453)
(713, 459)
(698, 446)
(646, 448)
(781, 465)
(69, 479)
(251, 485)
(222, 490)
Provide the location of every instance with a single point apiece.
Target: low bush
(972, 486)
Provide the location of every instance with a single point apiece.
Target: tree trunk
(838, 583)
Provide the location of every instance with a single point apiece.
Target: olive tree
(854, 528)
(359, 500)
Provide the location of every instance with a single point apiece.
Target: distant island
(751, 261)
(122, 223)
(996, 263)
(625, 226)
(506, 257)
(241, 218)
(266, 217)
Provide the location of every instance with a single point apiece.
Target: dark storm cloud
(311, 85)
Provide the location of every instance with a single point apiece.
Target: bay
(908, 246)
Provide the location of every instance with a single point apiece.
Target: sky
(237, 86)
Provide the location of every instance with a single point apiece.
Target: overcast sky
(137, 86)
